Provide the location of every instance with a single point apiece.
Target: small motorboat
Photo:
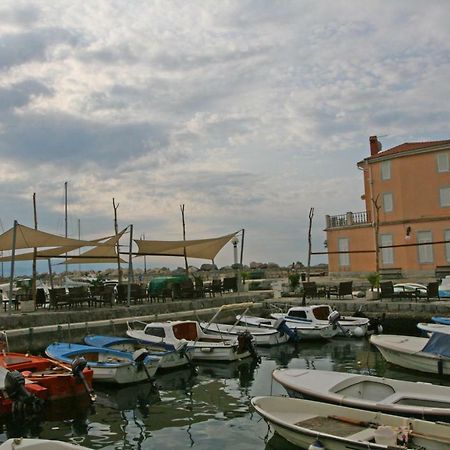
(317, 425)
(412, 399)
(109, 366)
(168, 359)
(429, 328)
(325, 315)
(441, 320)
(262, 337)
(430, 355)
(201, 346)
(39, 444)
(295, 330)
(60, 380)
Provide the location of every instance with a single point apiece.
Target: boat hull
(421, 400)
(394, 350)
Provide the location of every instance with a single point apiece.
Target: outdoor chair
(433, 290)
(311, 290)
(185, 289)
(229, 284)
(387, 291)
(58, 298)
(41, 298)
(102, 295)
(342, 289)
(215, 287)
(199, 288)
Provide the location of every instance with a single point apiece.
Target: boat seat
(368, 434)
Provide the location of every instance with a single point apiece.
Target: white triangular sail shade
(199, 248)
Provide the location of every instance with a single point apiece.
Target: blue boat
(169, 358)
(441, 320)
(109, 366)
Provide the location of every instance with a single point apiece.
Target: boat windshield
(155, 331)
(321, 312)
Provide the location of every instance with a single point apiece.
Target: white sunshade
(199, 248)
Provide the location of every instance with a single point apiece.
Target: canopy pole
(13, 257)
(241, 267)
(116, 229)
(50, 273)
(33, 282)
(65, 222)
(184, 238)
(130, 268)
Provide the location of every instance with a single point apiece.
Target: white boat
(430, 355)
(324, 315)
(200, 346)
(316, 425)
(430, 328)
(444, 287)
(262, 337)
(296, 330)
(413, 399)
(39, 444)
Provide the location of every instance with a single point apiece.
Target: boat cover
(438, 344)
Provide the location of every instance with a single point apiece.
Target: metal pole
(33, 282)
(130, 268)
(116, 229)
(65, 216)
(311, 215)
(13, 256)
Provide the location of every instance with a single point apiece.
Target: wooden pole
(11, 276)
(116, 229)
(33, 281)
(130, 268)
(308, 269)
(184, 238)
(65, 216)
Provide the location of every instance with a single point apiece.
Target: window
(425, 251)
(442, 162)
(444, 197)
(387, 254)
(447, 245)
(388, 202)
(155, 331)
(386, 170)
(344, 258)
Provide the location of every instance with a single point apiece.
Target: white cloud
(247, 112)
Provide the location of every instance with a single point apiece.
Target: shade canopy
(99, 254)
(199, 248)
(27, 237)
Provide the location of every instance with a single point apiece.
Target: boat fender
(358, 332)
(316, 445)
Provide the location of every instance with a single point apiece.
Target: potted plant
(374, 281)
(294, 281)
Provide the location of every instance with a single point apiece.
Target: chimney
(375, 145)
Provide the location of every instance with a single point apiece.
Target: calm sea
(207, 407)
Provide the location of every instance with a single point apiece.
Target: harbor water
(203, 407)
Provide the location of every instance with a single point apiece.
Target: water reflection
(205, 408)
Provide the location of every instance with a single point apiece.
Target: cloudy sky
(247, 112)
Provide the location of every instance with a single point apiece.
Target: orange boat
(59, 380)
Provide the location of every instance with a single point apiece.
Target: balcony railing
(347, 220)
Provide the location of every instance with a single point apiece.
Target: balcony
(348, 220)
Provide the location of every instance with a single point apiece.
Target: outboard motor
(283, 328)
(139, 358)
(23, 401)
(333, 318)
(245, 343)
(78, 365)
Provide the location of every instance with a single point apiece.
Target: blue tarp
(438, 344)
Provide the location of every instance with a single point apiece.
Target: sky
(249, 113)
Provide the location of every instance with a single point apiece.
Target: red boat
(59, 380)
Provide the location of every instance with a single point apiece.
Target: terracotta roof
(408, 146)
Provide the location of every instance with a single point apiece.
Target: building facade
(407, 201)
